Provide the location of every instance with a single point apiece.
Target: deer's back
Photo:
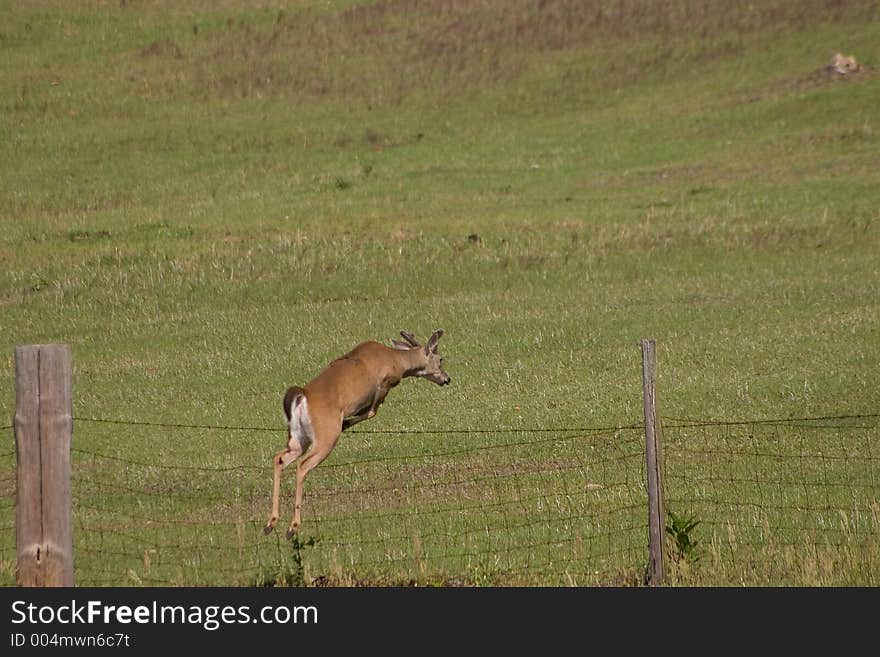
(350, 380)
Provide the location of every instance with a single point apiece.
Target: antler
(410, 338)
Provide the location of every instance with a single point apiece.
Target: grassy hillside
(210, 200)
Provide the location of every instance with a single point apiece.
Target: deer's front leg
(353, 420)
(364, 413)
(378, 398)
(360, 417)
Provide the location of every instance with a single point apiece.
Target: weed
(341, 184)
(680, 528)
(286, 569)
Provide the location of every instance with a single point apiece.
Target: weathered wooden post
(652, 459)
(43, 428)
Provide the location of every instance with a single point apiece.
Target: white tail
(299, 425)
(349, 390)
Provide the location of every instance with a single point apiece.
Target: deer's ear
(397, 344)
(432, 343)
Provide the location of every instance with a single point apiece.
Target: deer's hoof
(292, 532)
(269, 527)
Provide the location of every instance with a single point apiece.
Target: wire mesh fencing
(510, 507)
(776, 502)
(757, 502)
(446, 507)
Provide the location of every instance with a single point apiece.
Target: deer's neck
(410, 362)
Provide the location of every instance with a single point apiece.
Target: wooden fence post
(43, 428)
(652, 460)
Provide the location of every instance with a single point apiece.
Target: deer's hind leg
(310, 461)
(300, 436)
(326, 436)
(282, 459)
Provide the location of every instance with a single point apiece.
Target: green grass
(209, 202)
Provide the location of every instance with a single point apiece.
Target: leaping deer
(347, 391)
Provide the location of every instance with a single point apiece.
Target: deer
(346, 392)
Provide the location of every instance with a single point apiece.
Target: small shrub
(341, 183)
(680, 529)
(287, 570)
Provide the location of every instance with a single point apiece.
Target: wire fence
(775, 502)
(479, 506)
(778, 502)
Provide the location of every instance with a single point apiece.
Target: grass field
(210, 200)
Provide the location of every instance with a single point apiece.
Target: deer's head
(429, 362)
